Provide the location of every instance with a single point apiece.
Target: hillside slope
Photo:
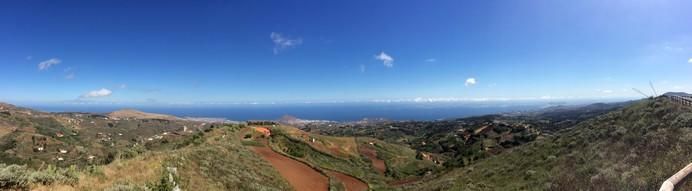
(85, 151)
(375, 162)
(634, 148)
(135, 114)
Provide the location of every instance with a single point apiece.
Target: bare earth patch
(371, 154)
(351, 183)
(300, 176)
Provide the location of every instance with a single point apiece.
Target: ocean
(327, 111)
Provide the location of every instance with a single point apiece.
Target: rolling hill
(625, 146)
(633, 148)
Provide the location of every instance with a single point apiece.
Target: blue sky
(298, 51)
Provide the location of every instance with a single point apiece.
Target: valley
(600, 142)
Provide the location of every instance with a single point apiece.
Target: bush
(20, 177)
(13, 176)
(167, 182)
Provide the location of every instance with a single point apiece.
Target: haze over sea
(323, 111)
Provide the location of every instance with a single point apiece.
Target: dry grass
(138, 171)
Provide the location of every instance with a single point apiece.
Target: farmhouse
(264, 131)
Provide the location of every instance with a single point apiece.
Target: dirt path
(301, 176)
(351, 183)
(377, 163)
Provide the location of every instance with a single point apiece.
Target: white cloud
(70, 76)
(431, 60)
(689, 61)
(387, 60)
(48, 63)
(470, 82)
(281, 42)
(103, 92)
(607, 91)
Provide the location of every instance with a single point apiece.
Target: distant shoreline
(331, 112)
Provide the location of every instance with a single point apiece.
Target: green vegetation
(223, 163)
(167, 182)
(632, 148)
(401, 161)
(357, 167)
(21, 177)
(635, 148)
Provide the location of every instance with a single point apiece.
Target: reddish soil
(300, 176)
(370, 152)
(351, 183)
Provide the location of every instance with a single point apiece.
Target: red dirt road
(299, 175)
(369, 152)
(351, 183)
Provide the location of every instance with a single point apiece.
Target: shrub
(20, 177)
(167, 182)
(13, 176)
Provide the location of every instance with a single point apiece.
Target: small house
(264, 131)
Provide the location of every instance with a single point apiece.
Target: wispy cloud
(103, 92)
(470, 82)
(431, 60)
(48, 63)
(387, 60)
(122, 86)
(362, 68)
(689, 61)
(606, 91)
(70, 76)
(282, 42)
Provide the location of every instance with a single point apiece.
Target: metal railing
(669, 184)
(681, 100)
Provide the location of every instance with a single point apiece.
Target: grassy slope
(634, 148)
(347, 159)
(223, 163)
(401, 161)
(215, 161)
